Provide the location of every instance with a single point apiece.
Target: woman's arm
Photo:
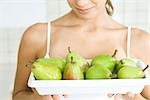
(29, 46)
(140, 48)
(26, 54)
(146, 91)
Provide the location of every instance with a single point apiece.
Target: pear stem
(121, 61)
(69, 49)
(71, 59)
(145, 67)
(115, 53)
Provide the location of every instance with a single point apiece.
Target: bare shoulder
(34, 32)
(140, 34)
(35, 35)
(32, 39)
(141, 44)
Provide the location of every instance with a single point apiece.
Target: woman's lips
(84, 11)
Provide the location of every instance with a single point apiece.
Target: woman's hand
(45, 97)
(127, 96)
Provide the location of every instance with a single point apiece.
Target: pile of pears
(75, 67)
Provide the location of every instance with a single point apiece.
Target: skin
(92, 28)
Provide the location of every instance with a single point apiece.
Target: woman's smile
(84, 10)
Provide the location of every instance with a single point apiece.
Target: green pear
(78, 59)
(73, 71)
(130, 72)
(46, 72)
(125, 62)
(105, 61)
(60, 63)
(98, 72)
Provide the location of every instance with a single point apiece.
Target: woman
(89, 23)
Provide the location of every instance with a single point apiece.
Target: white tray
(45, 87)
(103, 86)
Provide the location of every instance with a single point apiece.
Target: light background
(17, 15)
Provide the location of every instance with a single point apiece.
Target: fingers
(110, 95)
(118, 97)
(56, 97)
(127, 96)
(65, 95)
(42, 97)
(130, 95)
(34, 90)
(49, 97)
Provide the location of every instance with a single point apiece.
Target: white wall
(15, 17)
(20, 13)
(57, 8)
(133, 13)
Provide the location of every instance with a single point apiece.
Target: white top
(128, 42)
(48, 41)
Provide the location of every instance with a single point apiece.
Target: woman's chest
(87, 46)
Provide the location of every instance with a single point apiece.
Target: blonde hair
(109, 7)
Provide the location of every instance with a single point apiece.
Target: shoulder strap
(128, 41)
(48, 40)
